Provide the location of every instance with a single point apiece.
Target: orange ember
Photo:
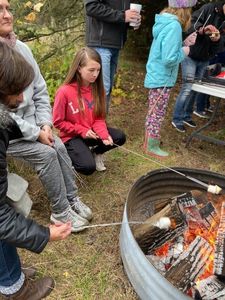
(163, 250)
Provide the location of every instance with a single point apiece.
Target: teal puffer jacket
(166, 52)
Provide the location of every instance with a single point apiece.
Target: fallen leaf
(28, 4)
(37, 7)
(31, 17)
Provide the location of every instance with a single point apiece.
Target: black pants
(82, 156)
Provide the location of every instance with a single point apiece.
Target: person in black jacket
(106, 31)
(16, 230)
(208, 25)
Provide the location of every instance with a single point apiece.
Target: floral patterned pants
(157, 103)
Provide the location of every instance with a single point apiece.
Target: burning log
(164, 258)
(219, 260)
(211, 288)
(159, 228)
(190, 264)
(204, 198)
(198, 212)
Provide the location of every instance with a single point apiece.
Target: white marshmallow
(163, 223)
(214, 189)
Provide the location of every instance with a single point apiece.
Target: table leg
(200, 136)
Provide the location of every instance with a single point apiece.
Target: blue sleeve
(172, 52)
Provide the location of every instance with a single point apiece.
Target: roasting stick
(214, 189)
(196, 22)
(114, 224)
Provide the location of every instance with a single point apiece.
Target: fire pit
(147, 196)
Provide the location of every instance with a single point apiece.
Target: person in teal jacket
(162, 67)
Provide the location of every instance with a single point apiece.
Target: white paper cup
(136, 7)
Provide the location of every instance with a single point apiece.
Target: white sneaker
(78, 223)
(99, 162)
(81, 209)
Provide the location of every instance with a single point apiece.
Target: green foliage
(35, 19)
(55, 68)
(117, 90)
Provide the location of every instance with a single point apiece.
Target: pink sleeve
(59, 117)
(100, 128)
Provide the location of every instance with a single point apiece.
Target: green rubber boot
(153, 148)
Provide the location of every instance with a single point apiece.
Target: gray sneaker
(81, 209)
(99, 162)
(78, 223)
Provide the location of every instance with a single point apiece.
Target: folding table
(217, 91)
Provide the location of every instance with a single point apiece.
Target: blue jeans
(109, 57)
(202, 102)
(191, 70)
(10, 267)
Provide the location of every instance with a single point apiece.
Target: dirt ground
(87, 265)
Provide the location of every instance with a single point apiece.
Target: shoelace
(78, 205)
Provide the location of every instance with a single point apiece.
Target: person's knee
(87, 169)
(48, 156)
(121, 138)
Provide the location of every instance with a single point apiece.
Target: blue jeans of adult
(191, 70)
(10, 267)
(109, 57)
(202, 102)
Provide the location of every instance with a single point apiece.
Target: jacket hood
(5, 119)
(161, 21)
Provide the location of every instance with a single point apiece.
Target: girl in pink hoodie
(79, 113)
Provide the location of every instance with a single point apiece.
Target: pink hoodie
(68, 118)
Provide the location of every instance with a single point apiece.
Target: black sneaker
(201, 114)
(179, 128)
(190, 123)
(210, 109)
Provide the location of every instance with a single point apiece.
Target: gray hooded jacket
(35, 110)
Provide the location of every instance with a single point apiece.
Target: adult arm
(103, 12)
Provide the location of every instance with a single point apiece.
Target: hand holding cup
(133, 15)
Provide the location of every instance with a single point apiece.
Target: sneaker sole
(155, 155)
(73, 229)
(188, 124)
(100, 170)
(174, 125)
(200, 116)
(88, 217)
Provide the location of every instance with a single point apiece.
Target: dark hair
(80, 60)
(15, 72)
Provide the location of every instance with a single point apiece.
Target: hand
(92, 135)
(132, 16)
(201, 30)
(138, 24)
(191, 39)
(210, 28)
(48, 130)
(186, 50)
(59, 231)
(108, 142)
(212, 32)
(44, 138)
